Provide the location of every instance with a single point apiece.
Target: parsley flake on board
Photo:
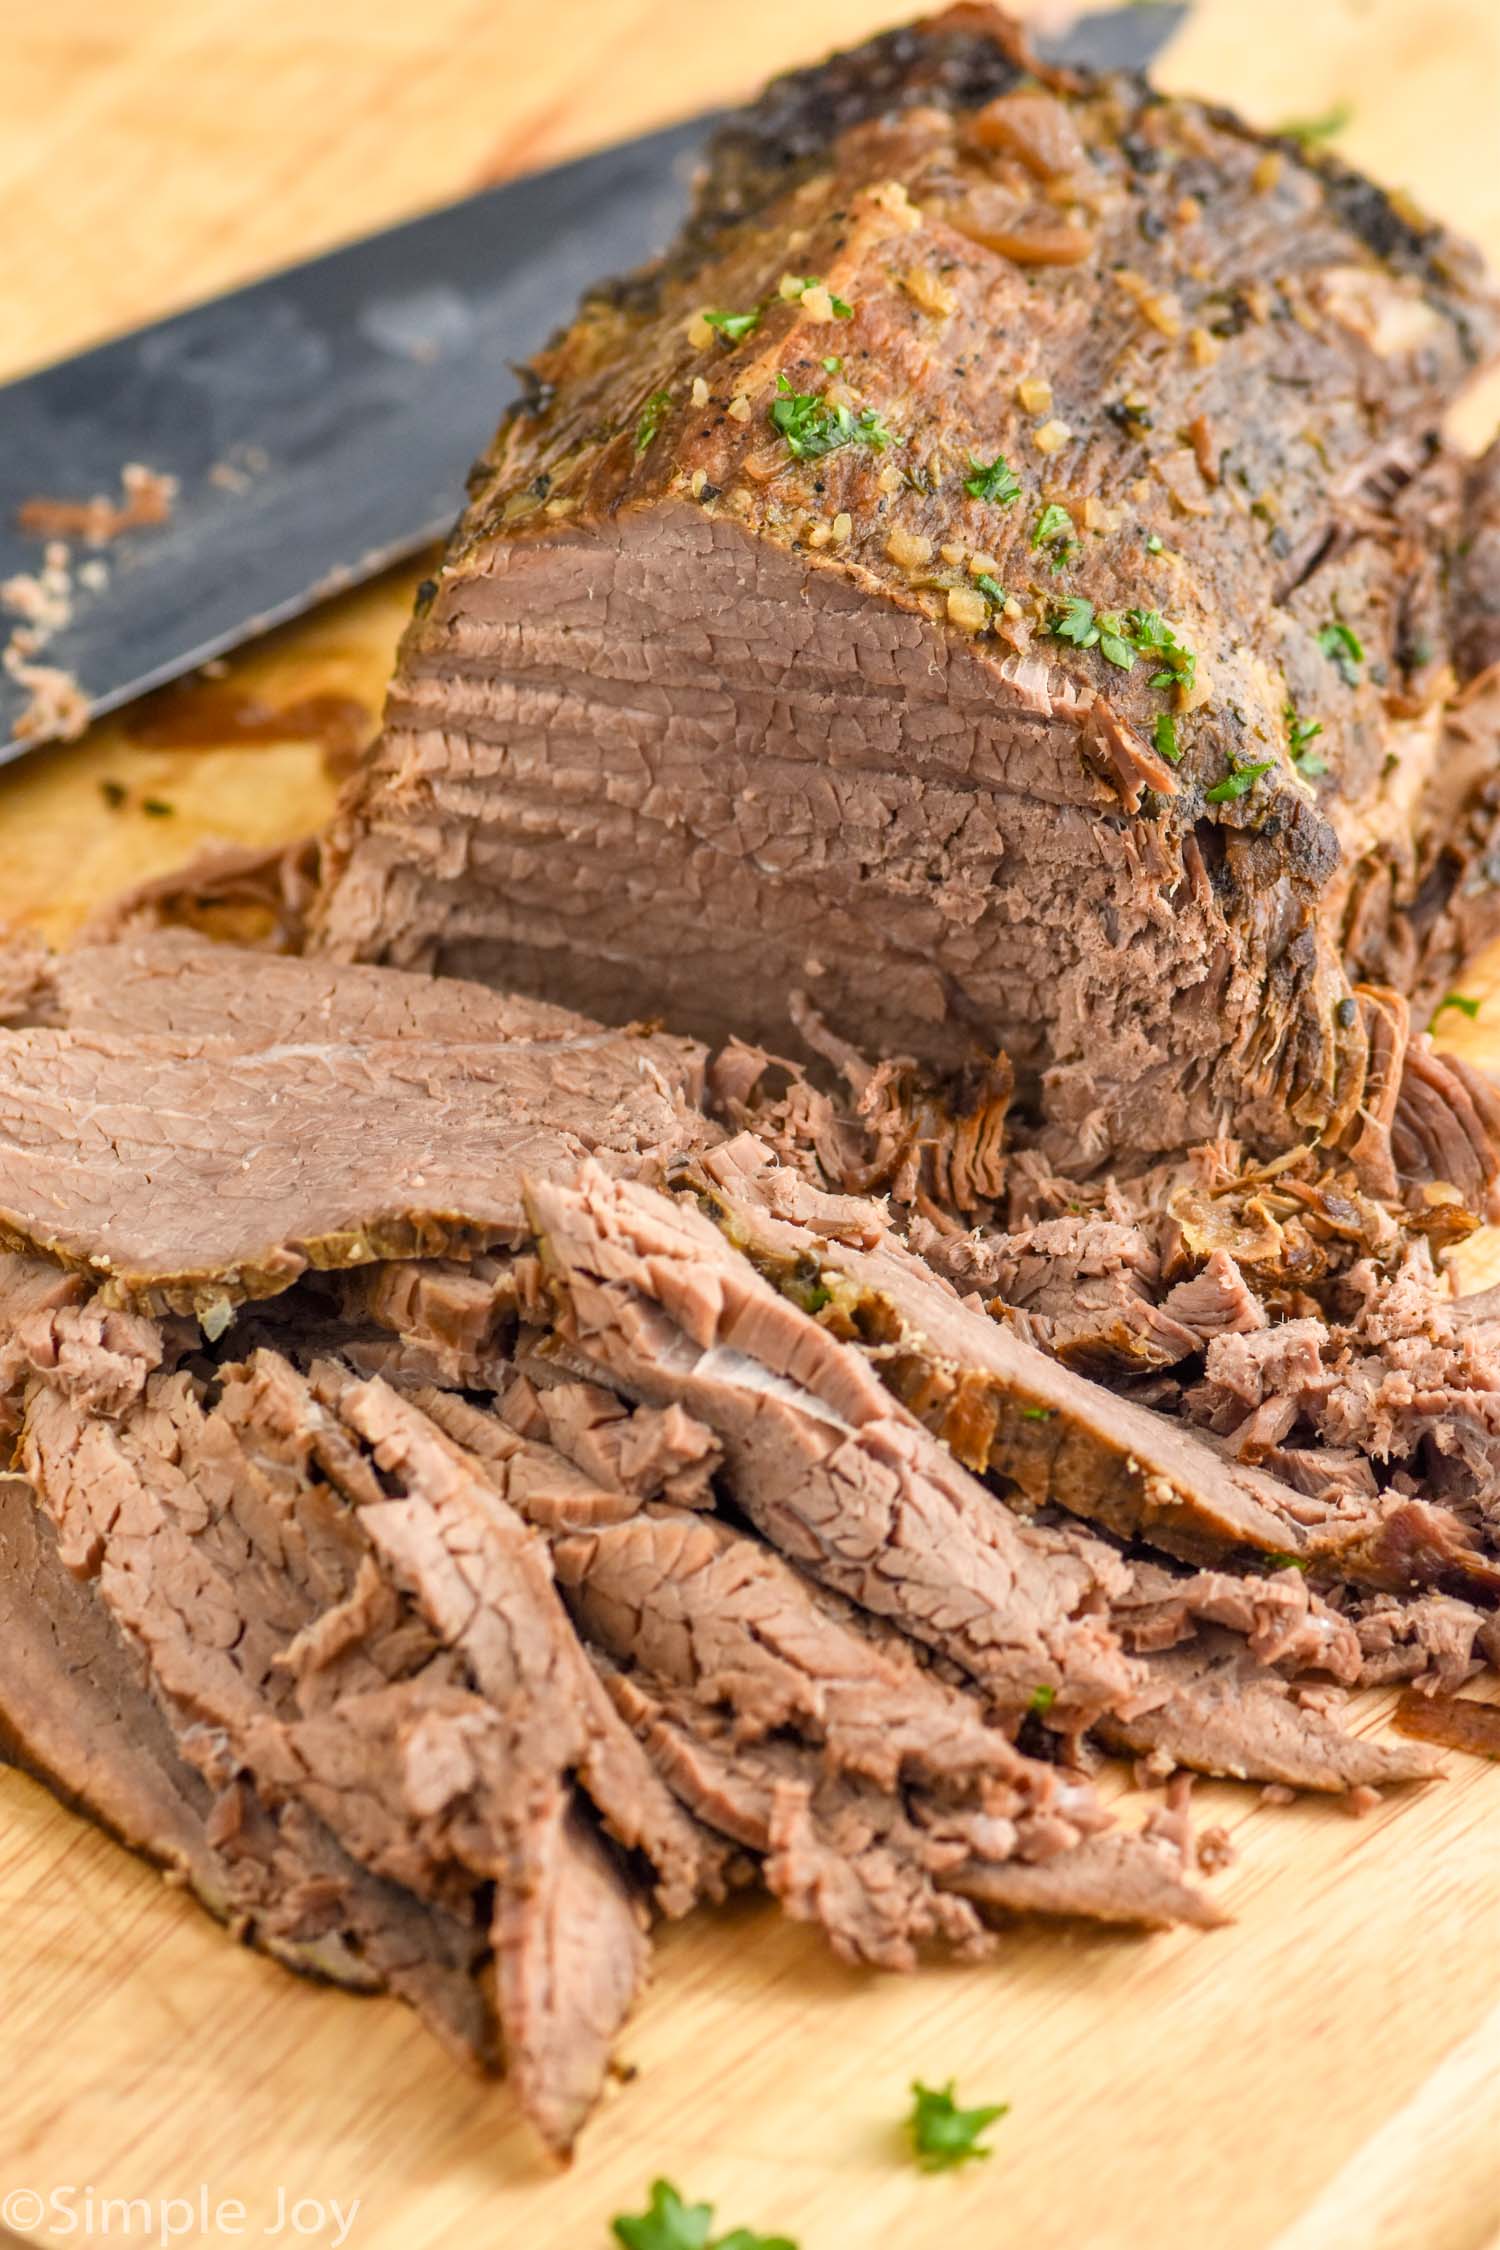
(671, 2224)
(993, 480)
(812, 427)
(652, 415)
(1465, 1005)
(944, 2136)
(1238, 782)
(734, 326)
(1343, 648)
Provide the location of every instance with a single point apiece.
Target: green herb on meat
(1164, 739)
(795, 284)
(1301, 733)
(992, 589)
(1076, 623)
(1042, 1699)
(1343, 648)
(1309, 131)
(1150, 633)
(734, 326)
(994, 480)
(653, 413)
(1238, 782)
(812, 427)
(1054, 523)
(1465, 1004)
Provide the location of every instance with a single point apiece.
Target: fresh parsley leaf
(943, 2135)
(812, 427)
(652, 415)
(1052, 524)
(733, 326)
(994, 480)
(1238, 782)
(1465, 1005)
(1164, 738)
(1343, 648)
(1113, 645)
(992, 589)
(1155, 544)
(1300, 734)
(1310, 130)
(1076, 624)
(834, 364)
(1042, 1699)
(1036, 1414)
(1153, 636)
(671, 2224)
(1287, 1562)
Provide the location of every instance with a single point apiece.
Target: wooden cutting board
(1325, 2075)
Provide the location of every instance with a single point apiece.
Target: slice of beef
(720, 635)
(481, 1579)
(162, 1513)
(821, 1458)
(878, 1879)
(188, 1167)
(76, 1711)
(1433, 1642)
(1045, 1433)
(571, 1960)
(1228, 1715)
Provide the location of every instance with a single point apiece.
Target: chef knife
(318, 424)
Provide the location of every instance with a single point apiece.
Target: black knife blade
(318, 423)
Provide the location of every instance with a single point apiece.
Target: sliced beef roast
(204, 1124)
(917, 588)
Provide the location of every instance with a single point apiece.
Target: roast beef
(202, 1124)
(917, 587)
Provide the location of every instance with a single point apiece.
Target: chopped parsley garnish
(653, 413)
(1149, 632)
(1238, 782)
(1301, 733)
(944, 2136)
(995, 480)
(1310, 130)
(1076, 624)
(1155, 544)
(834, 364)
(671, 2224)
(1465, 1005)
(795, 284)
(1036, 1414)
(812, 427)
(1164, 739)
(1052, 524)
(733, 326)
(992, 589)
(1343, 648)
(1120, 640)
(1287, 1562)
(1042, 1699)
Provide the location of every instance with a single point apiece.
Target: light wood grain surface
(1323, 2076)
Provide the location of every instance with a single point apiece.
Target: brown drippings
(146, 498)
(198, 716)
(1457, 1722)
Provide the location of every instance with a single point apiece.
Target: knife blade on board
(318, 424)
